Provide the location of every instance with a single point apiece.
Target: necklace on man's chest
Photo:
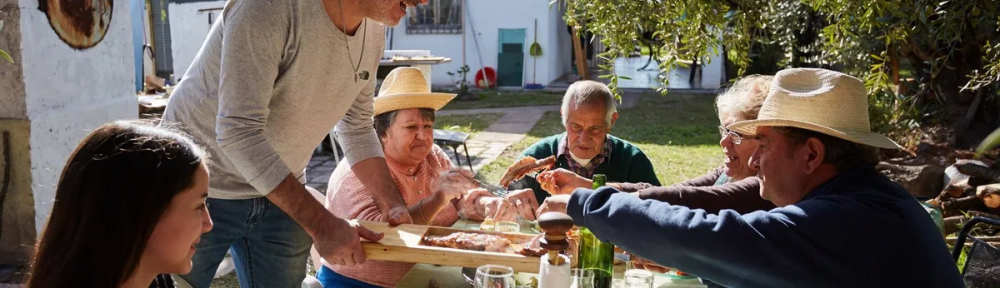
(363, 74)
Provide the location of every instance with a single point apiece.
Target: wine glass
(494, 276)
(581, 278)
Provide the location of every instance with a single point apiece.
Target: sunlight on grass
(471, 124)
(500, 98)
(227, 281)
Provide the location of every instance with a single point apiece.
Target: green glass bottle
(595, 255)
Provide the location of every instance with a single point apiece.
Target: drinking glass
(638, 278)
(582, 278)
(494, 276)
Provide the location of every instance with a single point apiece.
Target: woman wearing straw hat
(435, 192)
(839, 223)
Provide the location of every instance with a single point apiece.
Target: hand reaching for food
(641, 263)
(561, 181)
(555, 203)
(470, 208)
(502, 209)
(524, 202)
(525, 166)
(454, 184)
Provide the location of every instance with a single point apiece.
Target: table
(454, 139)
(451, 277)
(420, 59)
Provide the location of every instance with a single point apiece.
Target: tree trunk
(581, 60)
(894, 63)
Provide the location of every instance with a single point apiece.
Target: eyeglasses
(735, 136)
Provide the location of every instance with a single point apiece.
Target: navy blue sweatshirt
(859, 229)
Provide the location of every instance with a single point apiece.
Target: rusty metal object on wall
(80, 23)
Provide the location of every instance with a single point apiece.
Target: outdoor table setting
(547, 250)
(450, 267)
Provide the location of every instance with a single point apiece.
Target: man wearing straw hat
(839, 223)
(272, 79)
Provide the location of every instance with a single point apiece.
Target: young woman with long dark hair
(128, 210)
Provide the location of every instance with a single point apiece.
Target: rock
(923, 181)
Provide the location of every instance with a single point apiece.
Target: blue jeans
(268, 247)
(330, 279)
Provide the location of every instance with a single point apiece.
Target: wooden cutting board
(403, 244)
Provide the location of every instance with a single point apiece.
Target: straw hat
(404, 88)
(820, 100)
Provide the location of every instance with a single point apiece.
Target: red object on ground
(491, 77)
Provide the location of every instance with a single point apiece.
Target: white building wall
(188, 30)
(147, 59)
(713, 71)
(487, 17)
(70, 92)
(559, 48)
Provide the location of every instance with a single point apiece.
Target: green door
(510, 61)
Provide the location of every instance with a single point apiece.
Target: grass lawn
(471, 124)
(677, 132)
(505, 98)
(228, 281)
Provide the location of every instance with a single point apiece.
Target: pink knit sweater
(347, 198)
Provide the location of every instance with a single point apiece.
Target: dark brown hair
(112, 193)
(845, 155)
(384, 120)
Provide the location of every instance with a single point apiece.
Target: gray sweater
(268, 85)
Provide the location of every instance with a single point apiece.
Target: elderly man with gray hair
(589, 111)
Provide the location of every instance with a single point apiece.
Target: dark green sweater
(626, 164)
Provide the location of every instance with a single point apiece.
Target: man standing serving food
(272, 79)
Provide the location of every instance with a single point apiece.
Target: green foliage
(937, 42)
(6, 56)
(991, 141)
(962, 258)
(3, 54)
(462, 83)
